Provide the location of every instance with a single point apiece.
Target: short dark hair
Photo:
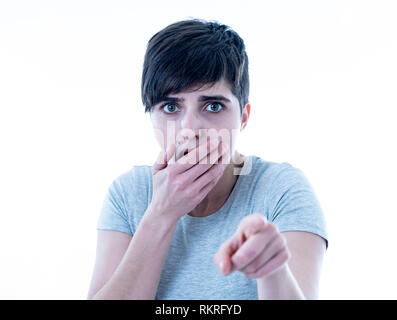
(193, 53)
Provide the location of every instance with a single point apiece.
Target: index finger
(163, 159)
(223, 258)
(191, 159)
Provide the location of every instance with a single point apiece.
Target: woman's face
(194, 116)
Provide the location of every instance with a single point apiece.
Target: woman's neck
(215, 199)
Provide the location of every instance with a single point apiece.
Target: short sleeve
(114, 215)
(296, 207)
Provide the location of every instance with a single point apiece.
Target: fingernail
(221, 266)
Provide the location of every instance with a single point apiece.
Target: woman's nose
(190, 121)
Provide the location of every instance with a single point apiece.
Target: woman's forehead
(220, 88)
(221, 85)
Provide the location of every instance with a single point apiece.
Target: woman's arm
(138, 273)
(300, 277)
(281, 285)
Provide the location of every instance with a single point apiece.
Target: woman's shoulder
(138, 174)
(268, 170)
(134, 184)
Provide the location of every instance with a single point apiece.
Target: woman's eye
(170, 107)
(214, 107)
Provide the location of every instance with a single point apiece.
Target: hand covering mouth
(184, 147)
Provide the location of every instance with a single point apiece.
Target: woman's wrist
(281, 284)
(155, 216)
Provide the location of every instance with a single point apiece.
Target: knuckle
(246, 255)
(238, 259)
(257, 216)
(197, 198)
(279, 242)
(272, 227)
(284, 255)
(215, 180)
(210, 184)
(252, 268)
(180, 185)
(246, 219)
(189, 193)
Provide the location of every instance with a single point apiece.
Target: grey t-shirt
(279, 191)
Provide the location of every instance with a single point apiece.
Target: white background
(323, 94)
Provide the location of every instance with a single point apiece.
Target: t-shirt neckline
(233, 194)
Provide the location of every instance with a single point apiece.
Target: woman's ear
(245, 116)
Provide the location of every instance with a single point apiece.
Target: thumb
(163, 158)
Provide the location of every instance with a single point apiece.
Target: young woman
(204, 221)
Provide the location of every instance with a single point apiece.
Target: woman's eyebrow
(217, 97)
(201, 98)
